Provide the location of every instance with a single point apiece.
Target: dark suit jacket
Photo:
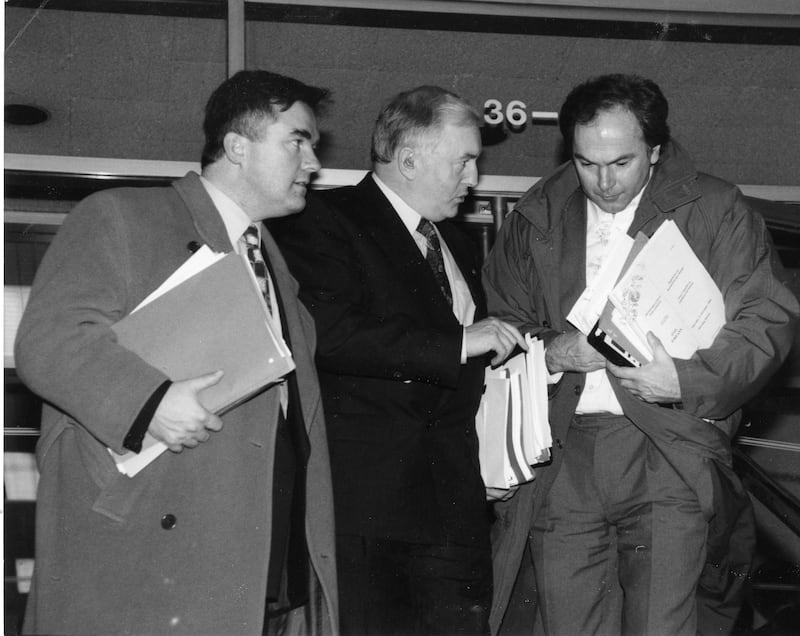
(400, 406)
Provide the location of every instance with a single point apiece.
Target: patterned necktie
(256, 259)
(434, 257)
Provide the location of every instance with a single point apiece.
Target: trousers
(389, 587)
(620, 542)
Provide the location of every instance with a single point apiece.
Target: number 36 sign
(515, 113)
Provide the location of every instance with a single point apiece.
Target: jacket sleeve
(362, 327)
(761, 312)
(514, 288)
(65, 349)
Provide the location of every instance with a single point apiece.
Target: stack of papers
(512, 420)
(15, 299)
(664, 289)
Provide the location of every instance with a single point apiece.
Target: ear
(235, 146)
(655, 153)
(406, 162)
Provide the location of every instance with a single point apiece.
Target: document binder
(216, 319)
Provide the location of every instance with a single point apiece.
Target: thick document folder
(215, 319)
(512, 419)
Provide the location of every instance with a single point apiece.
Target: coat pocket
(118, 493)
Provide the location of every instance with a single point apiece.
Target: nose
(471, 174)
(310, 161)
(605, 178)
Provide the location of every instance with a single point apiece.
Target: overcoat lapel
(204, 213)
(573, 254)
(297, 327)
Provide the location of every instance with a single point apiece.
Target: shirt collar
(407, 214)
(623, 217)
(235, 219)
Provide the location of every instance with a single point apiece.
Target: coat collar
(550, 202)
(205, 216)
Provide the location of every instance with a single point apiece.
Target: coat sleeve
(514, 288)
(363, 328)
(761, 312)
(65, 349)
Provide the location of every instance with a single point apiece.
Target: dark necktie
(434, 257)
(256, 259)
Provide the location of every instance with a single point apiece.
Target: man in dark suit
(232, 532)
(395, 292)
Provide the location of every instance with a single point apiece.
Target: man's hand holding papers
(663, 288)
(181, 419)
(655, 381)
(512, 421)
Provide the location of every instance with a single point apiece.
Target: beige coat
(108, 560)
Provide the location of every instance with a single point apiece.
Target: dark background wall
(133, 86)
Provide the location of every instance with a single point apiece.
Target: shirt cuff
(463, 346)
(133, 440)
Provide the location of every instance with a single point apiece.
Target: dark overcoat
(536, 272)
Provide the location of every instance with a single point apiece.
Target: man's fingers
(204, 381)
(214, 424)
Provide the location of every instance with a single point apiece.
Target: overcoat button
(577, 390)
(168, 522)
(558, 444)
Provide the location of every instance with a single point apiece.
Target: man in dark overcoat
(639, 525)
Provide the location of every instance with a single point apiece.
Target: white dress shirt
(598, 396)
(236, 221)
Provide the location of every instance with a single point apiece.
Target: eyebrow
(302, 132)
(629, 155)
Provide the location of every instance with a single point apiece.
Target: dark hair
(642, 97)
(411, 114)
(241, 103)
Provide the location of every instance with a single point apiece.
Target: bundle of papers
(15, 299)
(660, 287)
(512, 420)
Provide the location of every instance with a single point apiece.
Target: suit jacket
(183, 546)
(399, 404)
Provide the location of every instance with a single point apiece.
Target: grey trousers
(620, 544)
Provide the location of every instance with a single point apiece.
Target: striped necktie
(256, 259)
(434, 257)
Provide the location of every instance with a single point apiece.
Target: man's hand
(572, 352)
(491, 334)
(656, 381)
(180, 420)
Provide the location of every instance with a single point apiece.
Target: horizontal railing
(492, 195)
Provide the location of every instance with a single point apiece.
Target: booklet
(666, 290)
